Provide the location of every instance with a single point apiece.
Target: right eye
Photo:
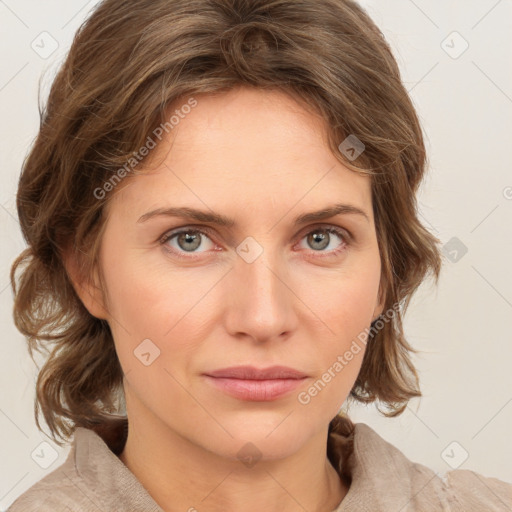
(184, 240)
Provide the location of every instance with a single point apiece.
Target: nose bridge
(262, 305)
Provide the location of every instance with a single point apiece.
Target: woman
(223, 239)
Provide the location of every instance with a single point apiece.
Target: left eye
(189, 240)
(321, 238)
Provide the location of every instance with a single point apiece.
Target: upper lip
(252, 373)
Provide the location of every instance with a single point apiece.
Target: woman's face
(264, 289)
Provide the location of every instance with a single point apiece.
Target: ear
(88, 288)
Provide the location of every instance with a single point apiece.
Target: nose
(260, 301)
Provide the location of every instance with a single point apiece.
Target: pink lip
(249, 383)
(252, 373)
(255, 390)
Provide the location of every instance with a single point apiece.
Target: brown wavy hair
(128, 63)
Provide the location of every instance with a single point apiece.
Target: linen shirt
(380, 477)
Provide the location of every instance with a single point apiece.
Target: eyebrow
(220, 220)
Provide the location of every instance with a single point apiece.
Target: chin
(270, 439)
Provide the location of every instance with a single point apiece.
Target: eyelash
(341, 233)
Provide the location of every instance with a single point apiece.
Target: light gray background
(465, 104)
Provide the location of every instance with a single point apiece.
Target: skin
(260, 158)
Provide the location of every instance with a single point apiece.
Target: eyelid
(347, 234)
(203, 229)
(210, 231)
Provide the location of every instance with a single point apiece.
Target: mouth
(252, 384)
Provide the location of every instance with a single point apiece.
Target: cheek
(143, 292)
(345, 305)
(343, 301)
(150, 301)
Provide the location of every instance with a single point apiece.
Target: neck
(180, 475)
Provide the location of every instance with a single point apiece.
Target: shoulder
(383, 478)
(91, 478)
(456, 490)
(473, 491)
(59, 490)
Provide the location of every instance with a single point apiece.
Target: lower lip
(255, 390)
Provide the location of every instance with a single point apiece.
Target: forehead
(247, 147)
(245, 119)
